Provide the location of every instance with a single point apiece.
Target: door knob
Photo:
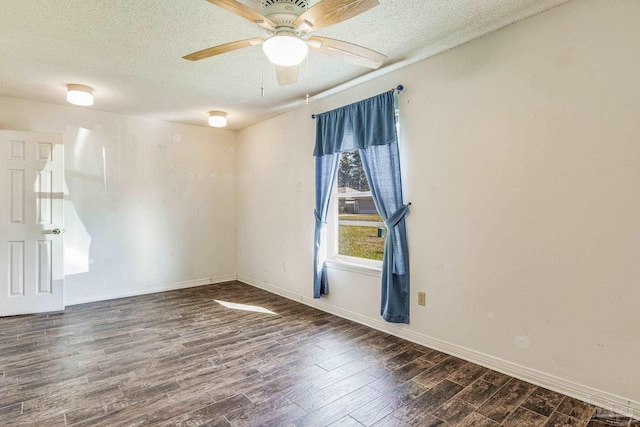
(55, 231)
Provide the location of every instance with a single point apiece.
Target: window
(368, 124)
(356, 228)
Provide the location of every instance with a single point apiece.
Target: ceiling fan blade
(349, 52)
(244, 11)
(287, 75)
(330, 12)
(223, 48)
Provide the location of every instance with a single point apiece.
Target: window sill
(352, 267)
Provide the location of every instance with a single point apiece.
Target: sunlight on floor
(244, 307)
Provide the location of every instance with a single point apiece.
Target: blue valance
(356, 126)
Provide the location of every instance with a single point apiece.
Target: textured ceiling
(130, 52)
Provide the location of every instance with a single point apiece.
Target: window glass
(360, 230)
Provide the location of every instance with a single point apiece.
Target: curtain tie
(394, 219)
(318, 219)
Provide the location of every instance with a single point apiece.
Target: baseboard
(581, 392)
(154, 289)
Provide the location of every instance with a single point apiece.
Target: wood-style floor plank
(232, 355)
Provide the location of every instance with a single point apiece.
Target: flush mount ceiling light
(217, 119)
(285, 49)
(80, 95)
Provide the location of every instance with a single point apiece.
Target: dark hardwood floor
(200, 356)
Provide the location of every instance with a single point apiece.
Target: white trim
(154, 289)
(585, 393)
(355, 267)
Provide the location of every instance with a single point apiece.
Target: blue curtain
(381, 165)
(370, 127)
(325, 175)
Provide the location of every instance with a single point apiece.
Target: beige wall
(521, 156)
(149, 205)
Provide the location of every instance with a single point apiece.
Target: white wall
(149, 205)
(521, 156)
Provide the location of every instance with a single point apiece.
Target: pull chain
(262, 67)
(307, 97)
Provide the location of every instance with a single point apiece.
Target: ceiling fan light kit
(285, 49)
(217, 119)
(79, 95)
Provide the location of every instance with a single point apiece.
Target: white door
(31, 222)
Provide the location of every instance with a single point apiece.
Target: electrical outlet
(422, 298)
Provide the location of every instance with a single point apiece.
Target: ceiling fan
(290, 23)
